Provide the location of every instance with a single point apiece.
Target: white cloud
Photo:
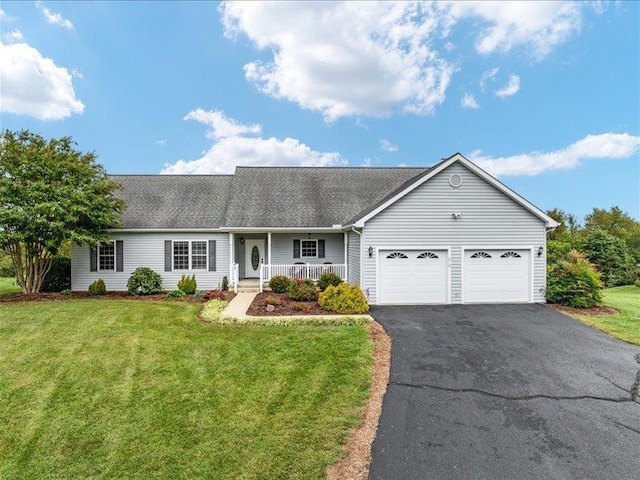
(34, 85)
(162, 142)
(488, 75)
(469, 101)
(56, 19)
(5, 17)
(14, 36)
(345, 59)
(232, 147)
(511, 88)
(221, 126)
(388, 146)
(536, 26)
(603, 146)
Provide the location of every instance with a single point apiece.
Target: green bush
(574, 282)
(225, 284)
(98, 287)
(344, 299)
(176, 294)
(6, 266)
(273, 300)
(279, 284)
(66, 291)
(199, 294)
(557, 250)
(59, 276)
(188, 284)
(303, 290)
(610, 255)
(328, 278)
(144, 281)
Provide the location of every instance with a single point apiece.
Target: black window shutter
(212, 255)
(320, 248)
(93, 259)
(168, 255)
(296, 249)
(119, 256)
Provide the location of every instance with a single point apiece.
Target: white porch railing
(300, 271)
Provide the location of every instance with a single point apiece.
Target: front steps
(249, 285)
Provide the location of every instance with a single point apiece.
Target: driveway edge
(357, 452)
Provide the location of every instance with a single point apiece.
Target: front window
(190, 255)
(309, 248)
(107, 256)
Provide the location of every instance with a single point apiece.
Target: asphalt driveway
(505, 392)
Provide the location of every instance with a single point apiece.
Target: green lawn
(128, 389)
(8, 285)
(626, 325)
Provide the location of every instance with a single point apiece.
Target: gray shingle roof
(173, 201)
(308, 196)
(258, 197)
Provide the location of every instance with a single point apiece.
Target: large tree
(50, 193)
(617, 223)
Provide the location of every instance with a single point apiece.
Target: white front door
(253, 257)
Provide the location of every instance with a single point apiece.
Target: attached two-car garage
(422, 276)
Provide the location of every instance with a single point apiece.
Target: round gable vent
(455, 180)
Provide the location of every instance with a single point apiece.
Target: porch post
(346, 253)
(231, 259)
(269, 250)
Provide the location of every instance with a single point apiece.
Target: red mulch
(43, 297)
(599, 310)
(288, 307)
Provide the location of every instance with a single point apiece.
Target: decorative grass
(625, 325)
(125, 389)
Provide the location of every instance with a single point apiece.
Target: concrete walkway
(238, 307)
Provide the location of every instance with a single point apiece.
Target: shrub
(273, 300)
(59, 276)
(6, 266)
(66, 291)
(557, 250)
(304, 307)
(344, 299)
(574, 282)
(213, 295)
(225, 284)
(144, 281)
(199, 294)
(328, 278)
(188, 284)
(610, 255)
(98, 287)
(279, 284)
(176, 294)
(303, 290)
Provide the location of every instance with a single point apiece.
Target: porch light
(309, 236)
(241, 240)
(371, 251)
(540, 250)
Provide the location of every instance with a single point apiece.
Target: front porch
(259, 256)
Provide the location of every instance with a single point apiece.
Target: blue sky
(546, 96)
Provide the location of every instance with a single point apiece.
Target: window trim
(302, 248)
(99, 249)
(190, 256)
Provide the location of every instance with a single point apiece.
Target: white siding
(422, 219)
(147, 250)
(353, 262)
(282, 248)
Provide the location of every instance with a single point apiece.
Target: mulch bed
(44, 297)
(258, 307)
(599, 310)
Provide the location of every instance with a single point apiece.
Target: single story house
(451, 233)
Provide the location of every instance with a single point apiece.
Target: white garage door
(412, 276)
(496, 276)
